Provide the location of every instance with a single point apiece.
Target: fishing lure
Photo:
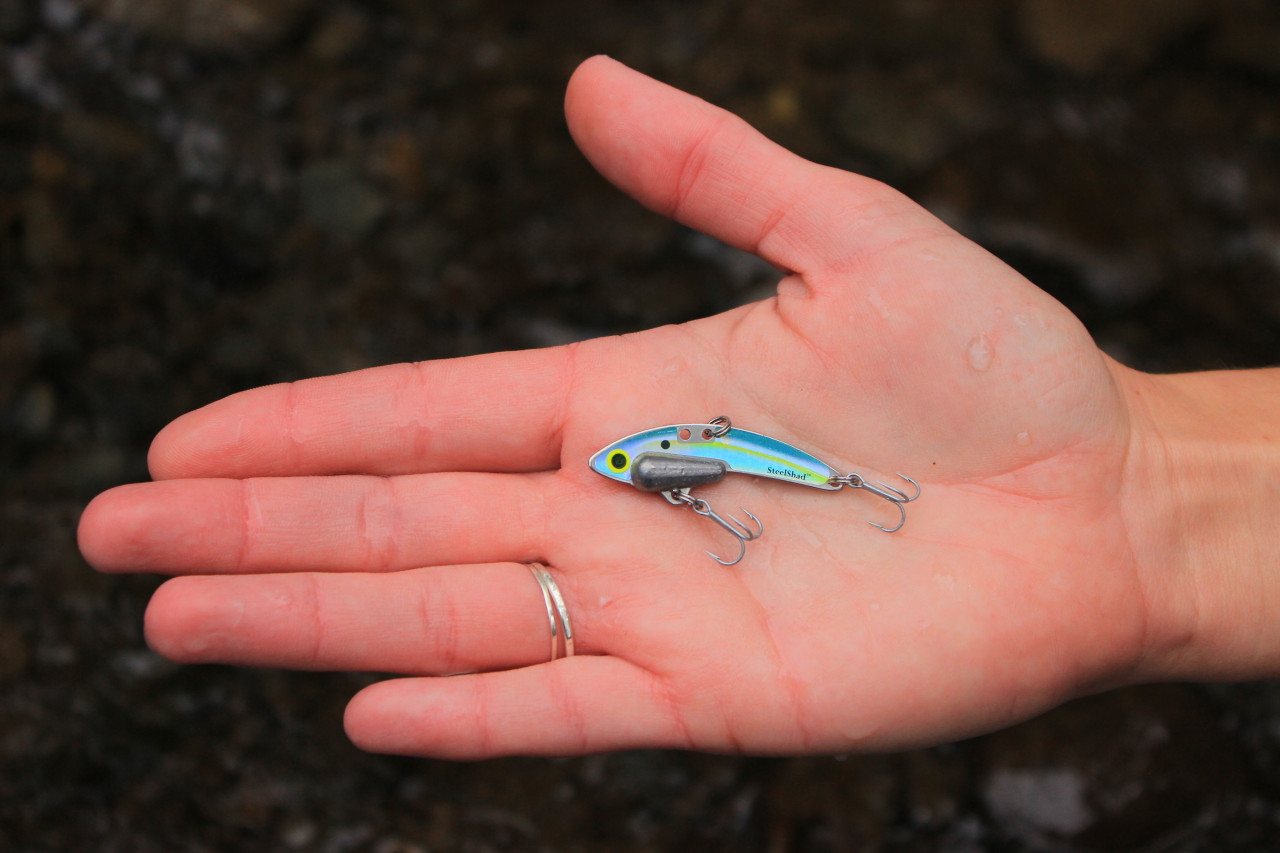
(672, 460)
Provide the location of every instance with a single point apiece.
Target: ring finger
(432, 621)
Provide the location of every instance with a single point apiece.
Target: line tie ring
(557, 613)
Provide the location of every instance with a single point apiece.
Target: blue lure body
(673, 459)
(742, 452)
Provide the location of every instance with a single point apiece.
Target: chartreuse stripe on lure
(674, 459)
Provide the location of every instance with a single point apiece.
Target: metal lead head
(664, 472)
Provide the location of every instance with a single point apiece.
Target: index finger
(501, 412)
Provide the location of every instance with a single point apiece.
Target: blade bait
(671, 460)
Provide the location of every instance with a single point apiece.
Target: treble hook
(736, 528)
(883, 490)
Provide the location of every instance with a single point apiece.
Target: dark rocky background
(202, 195)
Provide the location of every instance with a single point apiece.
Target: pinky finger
(574, 706)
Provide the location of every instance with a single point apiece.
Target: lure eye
(618, 461)
(666, 445)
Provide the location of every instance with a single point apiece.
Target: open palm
(893, 345)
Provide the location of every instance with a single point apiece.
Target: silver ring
(557, 612)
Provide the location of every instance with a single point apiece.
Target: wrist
(1201, 500)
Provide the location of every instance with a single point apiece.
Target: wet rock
(345, 839)
(216, 26)
(1125, 771)
(99, 466)
(299, 834)
(49, 167)
(61, 15)
(936, 785)
(1250, 42)
(338, 200)
(909, 121)
(1085, 36)
(202, 152)
(15, 19)
(30, 76)
(833, 804)
(103, 136)
(398, 159)
(238, 351)
(18, 354)
(46, 241)
(782, 105)
(140, 664)
(1041, 801)
(421, 252)
(341, 34)
(397, 845)
(15, 655)
(1067, 205)
(34, 411)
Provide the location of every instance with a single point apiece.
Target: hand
(893, 344)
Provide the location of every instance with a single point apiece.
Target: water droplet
(980, 353)
(877, 302)
(1023, 439)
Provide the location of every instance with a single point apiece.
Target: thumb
(710, 170)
